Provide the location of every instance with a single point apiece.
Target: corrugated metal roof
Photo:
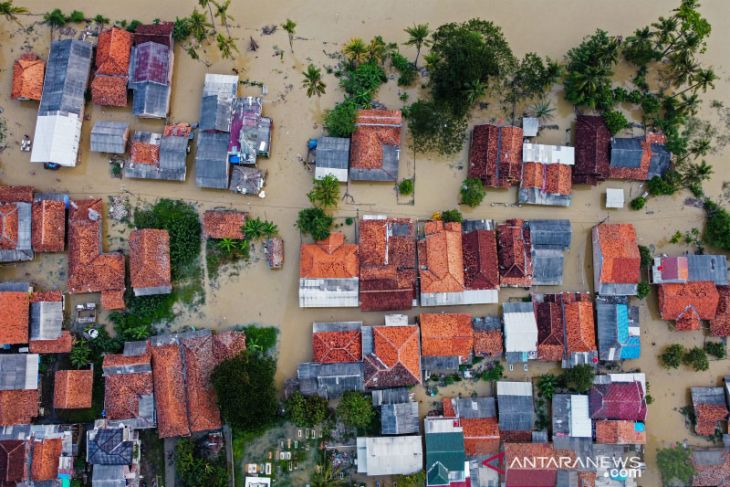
(474, 407)
(67, 77)
(246, 180)
(19, 372)
(548, 154)
(46, 319)
(330, 380)
(626, 152)
(547, 267)
(211, 160)
(109, 137)
(23, 250)
(550, 233)
(401, 455)
(329, 293)
(399, 418)
(515, 406)
(333, 157)
(520, 327)
(393, 395)
(661, 159)
(151, 100)
(708, 268)
(56, 139)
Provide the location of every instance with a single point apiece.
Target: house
(515, 258)
(446, 463)
(616, 259)
(549, 239)
(399, 418)
(720, 324)
(113, 450)
(478, 417)
(211, 160)
(592, 150)
(495, 155)
(46, 320)
(61, 111)
(109, 87)
(516, 410)
(160, 156)
(481, 263)
(48, 223)
(546, 175)
(145, 149)
(620, 432)
(391, 356)
(216, 106)
(219, 224)
(128, 386)
(441, 264)
(109, 137)
(399, 455)
(28, 71)
(614, 198)
(250, 134)
(690, 268)
(571, 417)
(37, 454)
(332, 158)
(711, 467)
(488, 337)
(150, 72)
(330, 381)
(247, 180)
(619, 335)
(530, 126)
(337, 342)
(149, 262)
(375, 145)
(90, 270)
(216, 110)
(328, 273)
(387, 251)
(566, 330)
(15, 223)
(15, 317)
(618, 396)
(447, 341)
(687, 304)
(72, 389)
(520, 332)
(710, 408)
(639, 158)
(19, 396)
(533, 464)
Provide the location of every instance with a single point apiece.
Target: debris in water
(267, 30)
(252, 44)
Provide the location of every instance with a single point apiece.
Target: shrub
(405, 187)
(578, 379)
(80, 353)
(451, 216)
(494, 372)
(716, 349)
(676, 237)
(643, 289)
(340, 121)
(671, 356)
(405, 68)
(181, 29)
(647, 259)
(546, 386)
(435, 128)
(306, 411)
(362, 82)
(675, 465)
(717, 226)
(615, 121)
(315, 222)
(665, 185)
(194, 469)
(261, 338)
(472, 192)
(638, 203)
(697, 359)
(355, 410)
(325, 192)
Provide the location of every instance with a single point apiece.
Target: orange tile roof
(13, 194)
(446, 335)
(688, 303)
(495, 155)
(144, 153)
(619, 432)
(558, 179)
(49, 226)
(28, 72)
(708, 416)
(18, 406)
(620, 252)
(122, 393)
(579, 326)
(62, 344)
(366, 147)
(113, 52)
(481, 436)
(9, 226)
(118, 359)
(228, 344)
(329, 259)
(441, 258)
(172, 417)
(72, 389)
(46, 455)
(199, 364)
(109, 91)
(532, 175)
(515, 261)
(14, 318)
(720, 324)
(396, 358)
(149, 258)
(337, 346)
(488, 343)
(224, 224)
(181, 129)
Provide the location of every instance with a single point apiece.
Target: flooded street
(256, 294)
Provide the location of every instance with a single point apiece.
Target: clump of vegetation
(647, 258)
(451, 216)
(406, 69)
(671, 356)
(638, 203)
(315, 222)
(80, 353)
(261, 339)
(306, 411)
(137, 321)
(546, 385)
(434, 128)
(589, 69)
(405, 187)
(494, 372)
(355, 410)
(675, 465)
(717, 226)
(325, 192)
(643, 289)
(194, 468)
(615, 121)
(472, 192)
(697, 359)
(716, 349)
(340, 121)
(577, 379)
(531, 79)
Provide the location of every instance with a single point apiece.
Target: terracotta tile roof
(446, 335)
(18, 406)
(224, 224)
(149, 258)
(481, 436)
(15, 316)
(620, 252)
(144, 153)
(48, 226)
(122, 393)
(337, 346)
(618, 400)
(545, 473)
(688, 303)
(533, 175)
(441, 258)
(592, 150)
(72, 389)
(558, 179)
(720, 324)
(330, 258)
(160, 33)
(13, 194)
(28, 72)
(515, 261)
(495, 155)
(228, 344)
(488, 343)
(203, 412)
(118, 359)
(711, 474)
(9, 226)
(62, 344)
(46, 297)
(374, 128)
(113, 52)
(46, 455)
(169, 382)
(396, 360)
(580, 328)
(13, 455)
(708, 416)
(481, 263)
(550, 343)
(90, 271)
(181, 129)
(109, 91)
(619, 432)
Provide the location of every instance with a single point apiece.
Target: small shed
(332, 158)
(274, 248)
(399, 419)
(530, 126)
(211, 161)
(614, 198)
(247, 180)
(109, 137)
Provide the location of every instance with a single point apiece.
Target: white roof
(580, 420)
(220, 84)
(389, 455)
(614, 198)
(57, 139)
(530, 126)
(548, 154)
(516, 388)
(520, 331)
(257, 482)
(441, 425)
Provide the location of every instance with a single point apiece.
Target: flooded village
(318, 244)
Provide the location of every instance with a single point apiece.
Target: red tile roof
(13, 194)
(688, 303)
(488, 343)
(46, 455)
(481, 436)
(118, 359)
(481, 263)
(515, 261)
(113, 52)
(122, 392)
(13, 455)
(228, 344)
(495, 155)
(374, 128)
(18, 406)
(337, 346)
(550, 343)
(160, 33)
(441, 258)
(708, 416)
(145, 153)
(558, 179)
(580, 329)
(112, 300)
(592, 150)
(172, 417)
(329, 259)
(149, 258)
(712, 474)
(49, 226)
(203, 412)
(28, 72)
(109, 91)
(618, 400)
(72, 389)
(9, 226)
(15, 316)
(224, 224)
(396, 358)
(620, 252)
(619, 432)
(62, 344)
(446, 335)
(520, 456)
(720, 324)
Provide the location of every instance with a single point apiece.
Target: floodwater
(259, 295)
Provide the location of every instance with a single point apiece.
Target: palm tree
(377, 49)
(474, 91)
(80, 353)
(55, 18)
(290, 26)
(226, 46)
(355, 50)
(11, 12)
(253, 229)
(227, 245)
(313, 81)
(270, 229)
(198, 25)
(418, 37)
(325, 192)
(207, 4)
(221, 11)
(698, 172)
(542, 111)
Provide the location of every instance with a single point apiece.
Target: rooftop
(28, 71)
(515, 261)
(330, 258)
(393, 359)
(45, 458)
(441, 258)
(48, 224)
(109, 91)
(592, 150)
(688, 303)
(375, 145)
(14, 319)
(72, 389)
(12, 462)
(113, 52)
(337, 342)
(224, 223)
(446, 335)
(495, 155)
(620, 432)
(620, 259)
(618, 400)
(481, 264)
(488, 337)
(149, 261)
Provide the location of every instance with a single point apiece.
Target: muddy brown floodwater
(257, 294)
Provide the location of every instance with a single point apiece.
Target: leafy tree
(306, 411)
(696, 358)
(451, 216)
(313, 81)
(532, 78)
(355, 410)
(418, 38)
(101, 21)
(615, 121)
(181, 29)
(578, 379)
(665, 185)
(235, 378)
(716, 349)
(340, 121)
(671, 356)
(132, 27)
(546, 385)
(11, 12)
(315, 222)
(80, 353)
(405, 187)
(638, 203)
(194, 469)
(643, 289)
(697, 172)
(494, 372)
(362, 82)
(54, 19)
(435, 128)
(472, 192)
(588, 71)
(290, 27)
(325, 192)
(647, 258)
(717, 226)
(209, 5)
(675, 465)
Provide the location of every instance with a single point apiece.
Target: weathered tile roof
(618, 400)
(708, 416)
(446, 335)
(550, 343)
(592, 150)
(18, 406)
(145, 148)
(203, 412)
(395, 360)
(72, 389)
(14, 194)
(330, 258)
(9, 226)
(515, 261)
(488, 342)
(375, 145)
(337, 346)
(580, 327)
(621, 259)
(224, 223)
(113, 52)
(688, 303)
(481, 436)
(28, 71)
(169, 384)
(151, 63)
(620, 432)
(149, 259)
(48, 226)
(632, 158)
(62, 344)
(711, 467)
(14, 318)
(125, 389)
(441, 258)
(545, 473)
(45, 458)
(109, 91)
(720, 324)
(495, 155)
(160, 33)
(481, 263)
(13, 455)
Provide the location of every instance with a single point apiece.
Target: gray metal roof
(708, 395)
(333, 152)
(399, 419)
(607, 324)
(215, 112)
(329, 293)
(390, 396)
(211, 160)
(472, 225)
(173, 156)
(708, 268)
(626, 152)
(322, 326)
(46, 320)
(388, 172)
(516, 412)
(475, 407)
(487, 323)
(16, 286)
(19, 372)
(536, 196)
(330, 380)
(547, 267)
(440, 364)
(708, 456)
(67, 76)
(550, 233)
(151, 100)
(246, 180)
(108, 476)
(661, 158)
(109, 137)
(23, 250)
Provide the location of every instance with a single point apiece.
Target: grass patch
(261, 338)
(222, 252)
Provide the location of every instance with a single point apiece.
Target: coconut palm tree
(313, 81)
(226, 46)
(207, 4)
(54, 19)
(11, 12)
(697, 172)
(253, 229)
(270, 229)
(417, 37)
(290, 27)
(355, 50)
(325, 192)
(198, 25)
(221, 11)
(377, 49)
(474, 91)
(228, 245)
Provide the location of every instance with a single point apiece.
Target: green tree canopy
(315, 222)
(435, 128)
(671, 356)
(717, 226)
(675, 465)
(325, 192)
(355, 410)
(578, 379)
(588, 71)
(306, 411)
(472, 192)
